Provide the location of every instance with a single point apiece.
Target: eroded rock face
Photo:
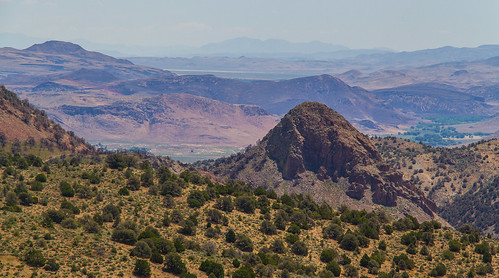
(313, 137)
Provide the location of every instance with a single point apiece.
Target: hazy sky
(396, 24)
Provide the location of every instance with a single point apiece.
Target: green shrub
(439, 270)
(382, 245)
(66, 189)
(36, 186)
(34, 258)
(487, 258)
(41, 177)
(225, 204)
(55, 215)
(482, 248)
(125, 236)
(364, 261)
(409, 238)
(68, 206)
(403, 262)
(268, 228)
(349, 242)
(291, 238)
(156, 258)
(244, 243)
(113, 210)
(211, 267)
(120, 161)
(142, 268)
(245, 204)
(133, 183)
(388, 229)
(51, 265)
(141, 250)
(244, 271)
(236, 263)
(278, 247)
(334, 267)
(260, 191)
(69, 223)
(197, 198)
(27, 199)
(214, 216)
(171, 187)
(369, 230)
(178, 243)
(124, 191)
(350, 271)
(187, 228)
(484, 269)
(174, 264)
(447, 255)
(230, 236)
(149, 232)
(91, 227)
(328, 255)
(332, 231)
(299, 248)
(164, 246)
(454, 245)
(411, 249)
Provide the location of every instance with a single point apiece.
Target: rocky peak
(313, 137)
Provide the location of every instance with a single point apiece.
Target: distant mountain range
(99, 96)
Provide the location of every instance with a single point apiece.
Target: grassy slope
(97, 255)
(444, 173)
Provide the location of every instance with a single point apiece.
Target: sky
(401, 25)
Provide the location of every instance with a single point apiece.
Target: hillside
(20, 123)
(433, 100)
(53, 57)
(169, 119)
(278, 97)
(462, 181)
(314, 149)
(464, 74)
(117, 216)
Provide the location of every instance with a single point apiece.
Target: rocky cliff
(313, 140)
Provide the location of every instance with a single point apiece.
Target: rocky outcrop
(313, 138)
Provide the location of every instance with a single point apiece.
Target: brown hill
(56, 57)
(19, 121)
(278, 97)
(314, 149)
(170, 118)
(462, 181)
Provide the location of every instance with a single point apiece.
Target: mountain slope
(314, 149)
(432, 100)
(119, 215)
(356, 104)
(19, 121)
(462, 181)
(169, 119)
(60, 57)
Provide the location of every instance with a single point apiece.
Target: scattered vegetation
(79, 223)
